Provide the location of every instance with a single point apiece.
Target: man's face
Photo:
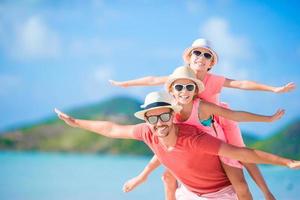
(160, 121)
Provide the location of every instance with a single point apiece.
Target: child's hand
(117, 83)
(269, 196)
(277, 115)
(286, 88)
(66, 118)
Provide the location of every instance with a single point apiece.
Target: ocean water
(45, 176)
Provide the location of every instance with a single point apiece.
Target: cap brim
(141, 114)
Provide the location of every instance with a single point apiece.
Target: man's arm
(251, 85)
(144, 81)
(105, 128)
(248, 155)
(240, 116)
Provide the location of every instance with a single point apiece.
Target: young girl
(184, 87)
(201, 58)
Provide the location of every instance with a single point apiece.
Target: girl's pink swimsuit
(215, 130)
(213, 86)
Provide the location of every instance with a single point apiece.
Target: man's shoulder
(143, 132)
(142, 128)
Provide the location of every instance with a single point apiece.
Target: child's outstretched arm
(251, 85)
(145, 81)
(240, 116)
(142, 177)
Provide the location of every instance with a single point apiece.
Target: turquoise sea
(62, 176)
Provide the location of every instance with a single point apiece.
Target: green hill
(286, 142)
(53, 135)
(249, 138)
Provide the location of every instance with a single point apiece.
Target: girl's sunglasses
(206, 55)
(180, 87)
(164, 117)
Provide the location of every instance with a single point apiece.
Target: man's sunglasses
(164, 117)
(180, 87)
(206, 55)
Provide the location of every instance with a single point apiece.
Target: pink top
(213, 86)
(193, 160)
(195, 121)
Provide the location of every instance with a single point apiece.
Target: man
(189, 154)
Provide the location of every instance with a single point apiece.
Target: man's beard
(165, 132)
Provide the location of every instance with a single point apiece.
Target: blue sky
(61, 53)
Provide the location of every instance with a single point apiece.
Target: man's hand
(294, 164)
(286, 88)
(66, 118)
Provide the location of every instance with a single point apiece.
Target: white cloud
(103, 74)
(231, 70)
(8, 83)
(96, 84)
(35, 40)
(231, 48)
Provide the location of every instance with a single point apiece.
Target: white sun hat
(155, 100)
(200, 43)
(184, 72)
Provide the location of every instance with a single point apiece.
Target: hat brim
(141, 114)
(198, 83)
(187, 54)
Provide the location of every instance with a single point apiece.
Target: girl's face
(183, 91)
(200, 60)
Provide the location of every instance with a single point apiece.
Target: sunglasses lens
(197, 53)
(165, 117)
(178, 87)
(190, 87)
(152, 119)
(207, 55)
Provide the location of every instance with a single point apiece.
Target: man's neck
(170, 141)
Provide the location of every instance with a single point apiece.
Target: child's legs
(231, 129)
(232, 133)
(237, 179)
(259, 180)
(170, 185)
